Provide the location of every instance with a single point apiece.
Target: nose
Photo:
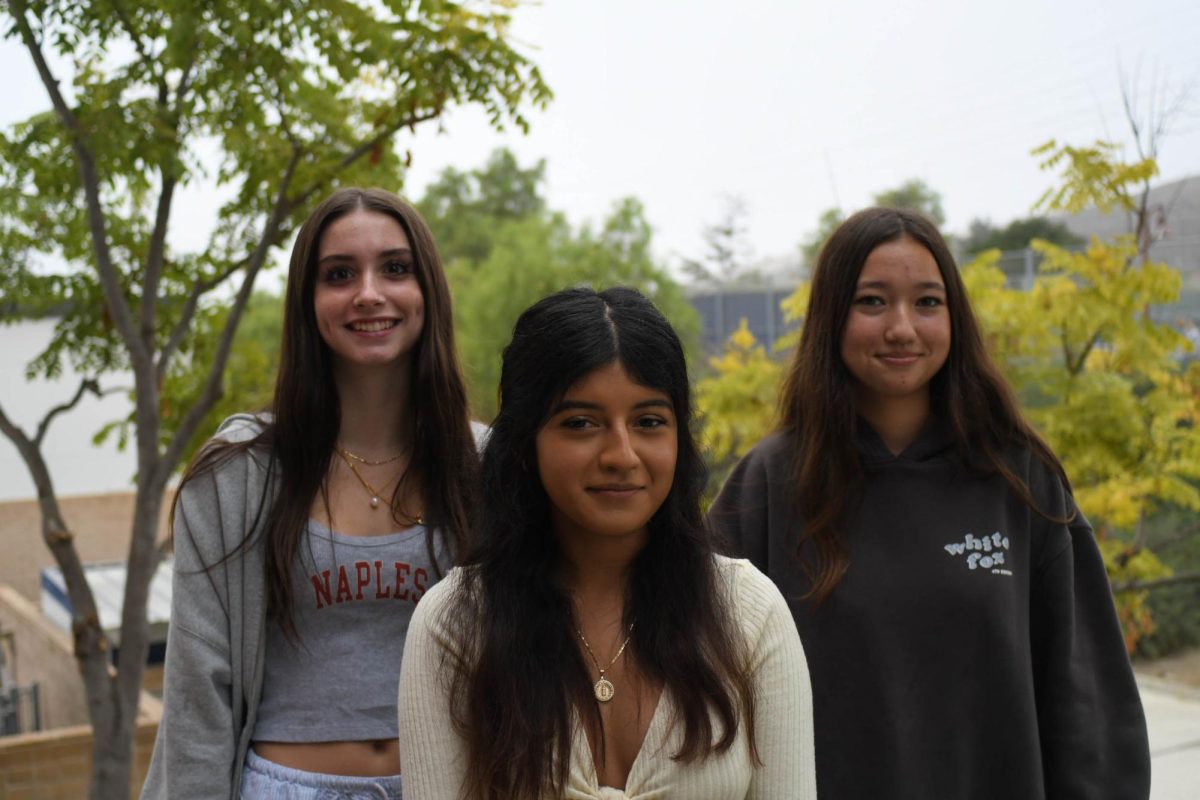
(900, 326)
(368, 293)
(618, 453)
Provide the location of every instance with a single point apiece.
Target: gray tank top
(354, 598)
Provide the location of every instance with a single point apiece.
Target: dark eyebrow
(568, 405)
(393, 253)
(926, 285)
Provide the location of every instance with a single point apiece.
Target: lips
(615, 489)
(898, 359)
(372, 325)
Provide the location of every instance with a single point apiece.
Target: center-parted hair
(520, 672)
(817, 408)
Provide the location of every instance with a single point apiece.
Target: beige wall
(100, 523)
(45, 654)
(57, 765)
(57, 762)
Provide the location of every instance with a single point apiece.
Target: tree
(1100, 378)
(1017, 234)
(297, 98)
(540, 254)
(728, 253)
(737, 401)
(464, 208)
(914, 195)
(826, 224)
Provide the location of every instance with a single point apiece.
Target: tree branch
(360, 151)
(149, 61)
(109, 279)
(155, 258)
(1135, 586)
(184, 323)
(86, 385)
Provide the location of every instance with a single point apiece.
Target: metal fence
(20, 711)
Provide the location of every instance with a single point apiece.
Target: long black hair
(302, 431)
(521, 671)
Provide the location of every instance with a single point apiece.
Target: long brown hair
(520, 671)
(302, 431)
(817, 411)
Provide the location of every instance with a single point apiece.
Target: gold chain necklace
(371, 490)
(603, 688)
(346, 454)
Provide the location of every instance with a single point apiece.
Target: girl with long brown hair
(305, 537)
(951, 598)
(593, 645)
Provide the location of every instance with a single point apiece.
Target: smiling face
(606, 456)
(369, 307)
(897, 334)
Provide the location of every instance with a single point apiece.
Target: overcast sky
(792, 106)
(796, 106)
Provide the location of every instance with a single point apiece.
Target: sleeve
(1090, 718)
(783, 716)
(432, 754)
(195, 747)
(739, 514)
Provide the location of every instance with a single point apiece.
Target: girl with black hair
(593, 645)
(951, 599)
(304, 538)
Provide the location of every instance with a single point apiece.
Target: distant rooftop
(107, 580)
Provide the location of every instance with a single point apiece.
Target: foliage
(1017, 234)
(294, 99)
(737, 400)
(1172, 534)
(538, 255)
(464, 208)
(505, 250)
(1091, 176)
(1103, 382)
(915, 195)
(827, 223)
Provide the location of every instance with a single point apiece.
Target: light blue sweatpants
(266, 780)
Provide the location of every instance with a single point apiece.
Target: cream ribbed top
(432, 754)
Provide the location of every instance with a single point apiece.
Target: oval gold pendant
(604, 690)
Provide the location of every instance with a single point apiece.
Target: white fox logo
(986, 552)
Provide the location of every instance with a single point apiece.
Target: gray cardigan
(214, 667)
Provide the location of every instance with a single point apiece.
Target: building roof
(107, 580)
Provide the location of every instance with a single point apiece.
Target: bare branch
(1136, 586)
(86, 385)
(109, 279)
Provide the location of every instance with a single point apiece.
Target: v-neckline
(586, 746)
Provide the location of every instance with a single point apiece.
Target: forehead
(611, 383)
(902, 260)
(363, 230)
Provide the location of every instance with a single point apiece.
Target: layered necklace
(352, 461)
(603, 688)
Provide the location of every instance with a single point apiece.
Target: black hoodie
(972, 649)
